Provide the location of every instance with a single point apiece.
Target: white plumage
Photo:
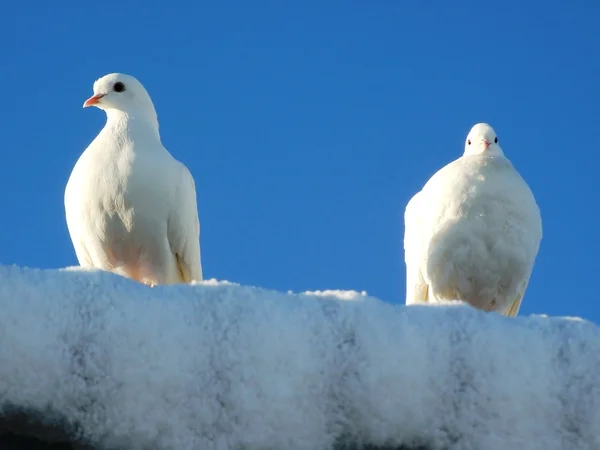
(130, 206)
(473, 232)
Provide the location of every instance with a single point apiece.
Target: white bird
(130, 206)
(473, 232)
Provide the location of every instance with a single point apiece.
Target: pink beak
(93, 100)
(486, 143)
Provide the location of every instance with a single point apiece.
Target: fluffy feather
(473, 232)
(130, 206)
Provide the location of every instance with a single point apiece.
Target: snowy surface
(223, 366)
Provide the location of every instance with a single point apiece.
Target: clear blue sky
(309, 127)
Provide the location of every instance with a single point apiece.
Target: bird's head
(123, 93)
(482, 140)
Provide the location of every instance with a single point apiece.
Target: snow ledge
(110, 363)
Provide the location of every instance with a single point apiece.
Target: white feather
(473, 232)
(130, 206)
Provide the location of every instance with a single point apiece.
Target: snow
(223, 366)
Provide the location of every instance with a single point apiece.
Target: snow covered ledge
(94, 358)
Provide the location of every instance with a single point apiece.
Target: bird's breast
(116, 195)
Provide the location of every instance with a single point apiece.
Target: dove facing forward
(473, 232)
(130, 206)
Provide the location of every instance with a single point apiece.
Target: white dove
(473, 232)
(130, 206)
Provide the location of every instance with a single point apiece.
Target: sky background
(309, 125)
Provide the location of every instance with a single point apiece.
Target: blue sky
(309, 125)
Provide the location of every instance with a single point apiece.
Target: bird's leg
(149, 276)
(142, 274)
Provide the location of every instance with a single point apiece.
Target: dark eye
(496, 140)
(468, 141)
(118, 87)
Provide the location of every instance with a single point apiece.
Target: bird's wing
(417, 289)
(74, 223)
(184, 227)
(533, 231)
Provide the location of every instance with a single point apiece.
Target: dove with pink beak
(473, 232)
(130, 206)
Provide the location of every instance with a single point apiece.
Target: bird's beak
(486, 143)
(93, 100)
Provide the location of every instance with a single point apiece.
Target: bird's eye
(118, 87)
(496, 140)
(468, 141)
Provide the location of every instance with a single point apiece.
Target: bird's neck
(497, 152)
(132, 123)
